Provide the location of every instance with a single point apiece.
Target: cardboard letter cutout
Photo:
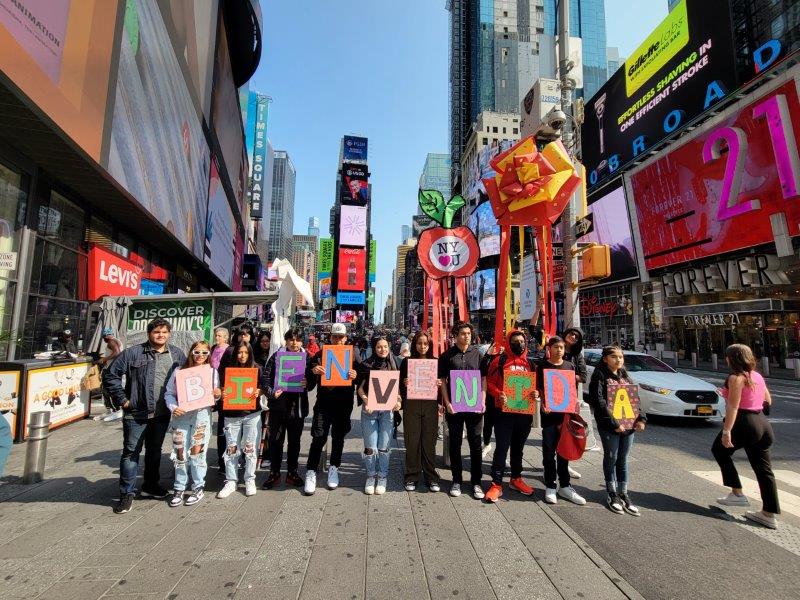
(560, 391)
(422, 374)
(384, 386)
(519, 387)
(290, 370)
(623, 403)
(337, 360)
(195, 387)
(239, 390)
(465, 391)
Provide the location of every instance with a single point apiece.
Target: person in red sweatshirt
(511, 430)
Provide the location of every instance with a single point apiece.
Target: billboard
(260, 163)
(350, 298)
(479, 168)
(353, 226)
(528, 288)
(325, 267)
(191, 320)
(158, 151)
(352, 270)
(721, 189)
(486, 229)
(373, 260)
(483, 290)
(684, 67)
(355, 148)
(355, 184)
(613, 227)
(58, 52)
(112, 275)
(220, 245)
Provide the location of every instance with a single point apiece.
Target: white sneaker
(455, 490)
(369, 487)
(734, 500)
(250, 488)
(311, 483)
(227, 489)
(487, 448)
(569, 493)
(477, 492)
(573, 473)
(380, 487)
(113, 416)
(550, 496)
(333, 477)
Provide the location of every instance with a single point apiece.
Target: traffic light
(596, 262)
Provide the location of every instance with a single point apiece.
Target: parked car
(663, 390)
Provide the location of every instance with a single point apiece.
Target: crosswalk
(790, 503)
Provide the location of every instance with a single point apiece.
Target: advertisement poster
(9, 400)
(691, 205)
(259, 163)
(347, 316)
(325, 284)
(486, 229)
(613, 228)
(355, 148)
(373, 260)
(350, 298)
(57, 390)
(479, 168)
(353, 226)
(220, 230)
(326, 255)
(482, 290)
(352, 269)
(66, 70)
(190, 320)
(158, 149)
(355, 184)
(528, 289)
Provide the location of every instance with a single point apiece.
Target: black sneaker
(294, 479)
(194, 497)
(272, 479)
(124, 505)
(614, 503)
(153, 492)
(628, 506)
(176, 499)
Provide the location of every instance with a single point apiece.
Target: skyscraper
(436, 174)
(313, 226)
(282, 207)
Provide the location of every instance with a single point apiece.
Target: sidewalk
(61, 539)
(706, 367)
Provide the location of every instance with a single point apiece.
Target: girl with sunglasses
(192, 430)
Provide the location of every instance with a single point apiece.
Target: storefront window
(607, 316)
(13, 204)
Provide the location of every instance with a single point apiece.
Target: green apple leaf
(432, 204)
(455, 204)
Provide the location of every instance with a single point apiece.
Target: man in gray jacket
(147, 368)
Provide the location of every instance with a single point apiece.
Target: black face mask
(517, 348)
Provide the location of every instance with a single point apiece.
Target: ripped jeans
(376, 429)
(242, 437)
(193, 431)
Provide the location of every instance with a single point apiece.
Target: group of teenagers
(148, 399)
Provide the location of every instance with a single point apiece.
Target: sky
(377, 68)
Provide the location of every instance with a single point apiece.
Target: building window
(502, 83)
(13, 208)
(504, 129)
(504, 55)
(516, 131)
(485, 142)
(494, 129)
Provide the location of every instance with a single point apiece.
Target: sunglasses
(200, 352)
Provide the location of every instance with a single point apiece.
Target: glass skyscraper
(436, 174)
(282, 207)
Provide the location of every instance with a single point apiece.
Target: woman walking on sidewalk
(421, 421)
(745, 426)
(190, 426)
(616, 439)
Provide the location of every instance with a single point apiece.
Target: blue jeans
(616, 447)
(192, 429)
(136, 434)
(376, 428)
(6, 442)
(242, 437)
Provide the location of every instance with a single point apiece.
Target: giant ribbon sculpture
(448, 255)
(530, 188)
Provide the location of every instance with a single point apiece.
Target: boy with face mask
(511, 430)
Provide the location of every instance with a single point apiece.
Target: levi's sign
(111, 275)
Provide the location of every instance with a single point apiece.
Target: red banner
(112, 275)
(717, 192)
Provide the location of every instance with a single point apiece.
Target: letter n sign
(560, 391)
(465, 391)
(337, 360)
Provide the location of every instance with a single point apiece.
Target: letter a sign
(194, 388)
(383, 389)
(623, 403)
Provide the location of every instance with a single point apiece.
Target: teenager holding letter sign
(421, 413)
(463, 356)
(288, 407)
(560, 381)
(242, 425)
(379, 397)
(617, 419)
(333, 406)
(189, 396)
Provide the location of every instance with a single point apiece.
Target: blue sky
(376, 68)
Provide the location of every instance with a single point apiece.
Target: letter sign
(337, 359)
(519, 387)
(560, 391)
(240, 388)
(384, 386)
(290, 369)
(422, 379)
(465, 391)
(194, 387)
(623, 403)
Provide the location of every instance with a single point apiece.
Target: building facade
(282, 207)
(304, 261)
(313, 226)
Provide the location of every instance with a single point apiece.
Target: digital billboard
(486, 229)
(355, 148)
(352, 270)
(479, 168)
(483, 290)
(720, 189)
(355, 184)
(220, 230)
(683, 68)
(353, 226)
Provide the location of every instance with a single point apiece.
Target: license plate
(705, 410)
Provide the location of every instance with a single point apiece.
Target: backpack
(572, 442)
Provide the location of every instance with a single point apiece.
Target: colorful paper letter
(466, 391)
(194, 387)
(560, 391)
(337, 359)
(623, 403)
(422, 374)
(384, 386)
(290, 370)
(519, 387)
(239, 389)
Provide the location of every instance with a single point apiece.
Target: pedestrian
(331, 415)
(377, 425)
(287, 413)
(421, 418)
(146, 368)
(261, 348)
(312, 348)
(463, 356)
(242, 428)
(488, 355)
(617, 441)
(551, 430)
(243, 335)
(64, 343)
(745, 426)
(511, 430)
(6, 442)
(221, 337)
(190, 428)
(113, 350)
(573, 352)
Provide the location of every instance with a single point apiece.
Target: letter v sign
(380, 395)
(383, 390)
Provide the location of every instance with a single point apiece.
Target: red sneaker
(494, 493)
(518, 483)
(294, 479)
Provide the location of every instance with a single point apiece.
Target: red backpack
(572, 442)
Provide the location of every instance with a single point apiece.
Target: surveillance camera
(556, 118)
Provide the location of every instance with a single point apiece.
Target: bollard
(797, 368)
(36, 451)
(694, 360)
(714, 362)
(537, 418)
(765, 366)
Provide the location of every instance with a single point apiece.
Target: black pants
(282, 424)
(455, 425)
(553, 464)
(489, 418)
(510, 431)
(221, 443)
(752, 432)
(420, 429)
(329, 417)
